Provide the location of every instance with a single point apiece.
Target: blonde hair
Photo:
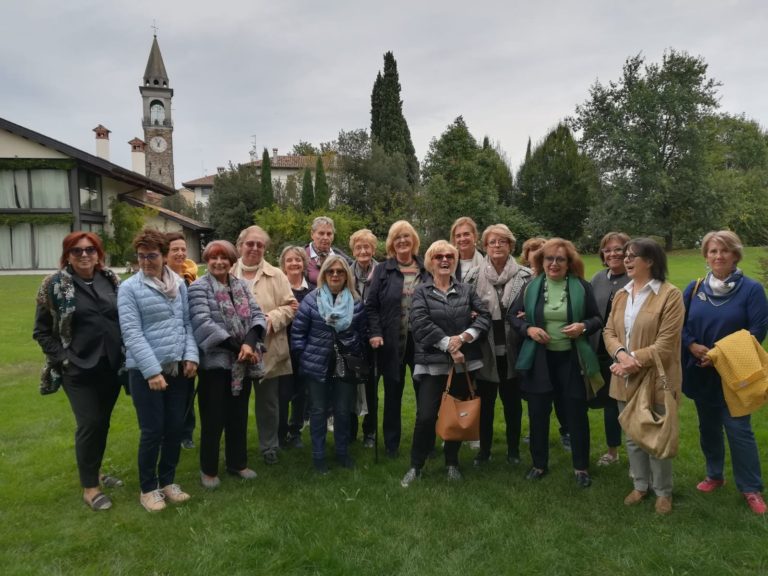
(463, 221)
(398, 228)
(440, 246)
(365, 236)
(298, 250)
(530, 246)
(245, 232)
(499, 230)
(729, 239)
(329, 261)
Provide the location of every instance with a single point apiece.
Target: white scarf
(167, 284)
(488, 280)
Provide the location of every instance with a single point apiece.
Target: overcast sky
(284, 71)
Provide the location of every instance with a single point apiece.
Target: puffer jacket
(312, 338)
(209, 327)
(435, 315)
(155, 330)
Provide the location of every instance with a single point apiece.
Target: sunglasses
(254, 244)
(151, 256)
(443, 257)
(78, 251)
(336, 272)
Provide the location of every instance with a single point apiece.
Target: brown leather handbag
(458, 419)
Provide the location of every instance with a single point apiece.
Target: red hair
(71, 239)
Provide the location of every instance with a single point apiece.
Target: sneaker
(663, 505)
(369, 441)
(709, 485)
(565, 440)
(607, 459)
(410, 477)
(583, 479)
(535, 474)
(756, 502)
(474, 444)
(174, 494)
(153, 501)
(209, 482)
(244, 474)
(188, 443)
(454, 473)
(270, 458)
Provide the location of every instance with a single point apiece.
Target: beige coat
(274, 296)
(659, 324)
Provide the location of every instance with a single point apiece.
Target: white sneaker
(175, 494)
(474, 444)
(153, 501)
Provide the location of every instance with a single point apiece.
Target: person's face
(497, 247)
(464, 239)
(219, 266)
(252, 249)
(151, 261)
(638, 268)
(294, 264)
(336, 277)
(177, 254)
(720, 259)
(556, 263)
(322, 238)
(363, 252)
(613, 256)
(443, 264)
(403, 247)
(83, 258)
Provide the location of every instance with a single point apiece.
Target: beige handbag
(458, 419)
(657, 434)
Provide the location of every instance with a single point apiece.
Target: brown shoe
(634, 497)
(663, 505)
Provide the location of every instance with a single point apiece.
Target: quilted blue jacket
(156, 330)
(312, 338)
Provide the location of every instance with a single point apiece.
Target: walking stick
(376, 407)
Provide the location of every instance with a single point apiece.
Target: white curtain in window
(48, 244)
(6, 190)
(20, 244)
(14, 189)
(50, 188)
(5, 247)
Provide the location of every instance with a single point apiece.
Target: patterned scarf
(715, 288)
(166, 284)
(336, 313)
(509, 281)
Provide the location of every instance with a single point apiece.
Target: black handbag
(349, 368)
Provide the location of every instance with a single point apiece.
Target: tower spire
(155, 74)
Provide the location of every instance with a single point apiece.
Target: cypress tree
(266, 192)
(376, 107)
(307, 193)
(322, 192)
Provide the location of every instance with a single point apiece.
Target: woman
(464, 238)
(330, 318)
(161, 354)
(448, 320)
(560, 313)
(273, 294)
(187, 270)
(293, 393)
(724, 302)
(229, 328)
(388, 304)
(530, 247)
(605, 285)
(363, 246)
(647, 314)
(77, 327)
(499, 281)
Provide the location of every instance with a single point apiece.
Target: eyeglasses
(254, 244)
(629, 256)
(555, 259)
(78, 251)
(336, 272)
(498, 242)
(607, 251)
(443, 257)
(151, 256)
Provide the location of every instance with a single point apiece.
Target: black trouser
(189, 418)
(576, 412)
(292, 402)
(427, 406)
(92, 395)
(394, 384)
(610, 407)
(220, 411)
(509, 391)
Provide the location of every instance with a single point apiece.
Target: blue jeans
(324, 394)
(741, 440)
(161, 421)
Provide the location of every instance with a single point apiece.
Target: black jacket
(435, 315)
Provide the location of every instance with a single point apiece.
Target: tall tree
(304, 149)
(322, 191)
(557, 184)
(234, 199)
(644, 132)
(266, 192)
(307, 193)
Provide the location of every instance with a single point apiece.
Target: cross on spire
(154, 26)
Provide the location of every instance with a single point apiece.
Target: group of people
(311, 338)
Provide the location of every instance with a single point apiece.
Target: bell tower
(156, 98)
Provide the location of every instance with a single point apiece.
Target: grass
(358, 522)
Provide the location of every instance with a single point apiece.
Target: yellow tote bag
(743, 367)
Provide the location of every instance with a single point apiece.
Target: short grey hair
(323, 221)
(258, 230)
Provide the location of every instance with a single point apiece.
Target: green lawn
(357, 522)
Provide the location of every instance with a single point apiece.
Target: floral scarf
(336, 313)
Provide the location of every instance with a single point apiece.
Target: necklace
(563, 296)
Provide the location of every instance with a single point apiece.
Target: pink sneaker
(755, 501)
(709, 485)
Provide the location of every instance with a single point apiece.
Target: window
(32, 246)
(25, 189)
(90, 191)
(156, 113)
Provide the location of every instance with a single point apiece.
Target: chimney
(102, 142)
(138, 161)
(220, 169)
(274, 152)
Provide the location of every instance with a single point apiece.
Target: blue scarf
(336, 313)
(730, 286)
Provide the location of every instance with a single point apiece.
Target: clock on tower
(156, 98)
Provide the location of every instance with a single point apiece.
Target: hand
(246, 354)
(574, 330)
(458, 357)
(376, 342)
(454, 344)
(190, 369)
(627, 364)
(157, 382)
(699, 351)
(295, 305)
(538, 335)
